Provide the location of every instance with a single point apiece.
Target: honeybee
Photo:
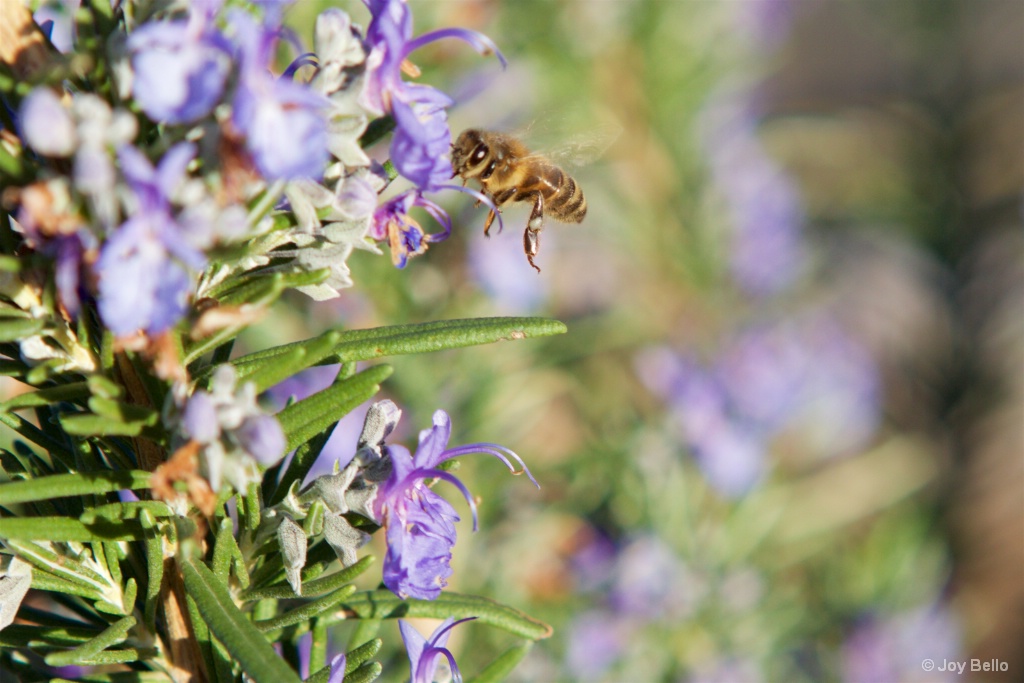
(508, 172)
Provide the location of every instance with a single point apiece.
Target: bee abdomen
(569, 205)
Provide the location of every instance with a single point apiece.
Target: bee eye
(480, 153)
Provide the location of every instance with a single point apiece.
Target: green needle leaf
(305, 419)
(113, 634)
(418, 338)
(241, 638)
(77, 484)
(382, 604)
(66, 529)
(501, 667)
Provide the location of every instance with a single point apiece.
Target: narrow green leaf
(113, 634)
(503, 665)
(154, 565)
(311, 352)
(67, 568)
(44, 397)
(127, 510)
(89, 424)
(45, 581)
(22, 635)
(13, 329)
(305, 419)
(370, 671)
(26, 429)
(356, 657)
(306, 612)
(65, 529)
(77, 484)
(121, 677)
(384, 604)
(223, 553)
(241, 638)
(312, 588)
(420, 338)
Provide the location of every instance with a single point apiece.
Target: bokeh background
(783, 438)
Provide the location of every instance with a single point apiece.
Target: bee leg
(531, 237)
(499, 200)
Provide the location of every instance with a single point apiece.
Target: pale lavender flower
(56, 19)
(46, 125)
(419, 524)
(143, 281)
(284, 123)
(234, 432)
(424, 652)
(180, 66)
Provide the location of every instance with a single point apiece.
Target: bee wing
(586, 147)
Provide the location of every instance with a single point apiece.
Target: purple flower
(422, 139)
(261, 437)
(729, 451)
(284, 122)
(892, 649)
(392, 222)
(596, 640)
(423, 652)
(143, 281)
(389, 37)
(764, 205)
(56, 19)
(419, 524)
(337, 669)
(180, 66)
(46, 125)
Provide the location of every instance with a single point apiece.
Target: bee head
(469, 153)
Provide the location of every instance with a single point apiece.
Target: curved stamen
(484, 199)
(481, 43)
(499, 452)
(307, 59)
(440, 215)
(427, 658)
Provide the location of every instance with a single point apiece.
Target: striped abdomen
(567, 203)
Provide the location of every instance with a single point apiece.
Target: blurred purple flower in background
(807, 376)
(891, 649)
(596, 639)
(423, 652)
(180, 66)
(764, 205)
(496, 263)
